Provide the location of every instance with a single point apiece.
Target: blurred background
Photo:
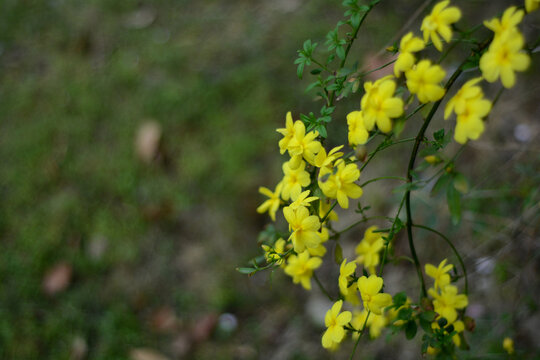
(133, 138)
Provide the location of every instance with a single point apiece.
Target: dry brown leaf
(57, 278)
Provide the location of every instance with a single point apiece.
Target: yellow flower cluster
(505, 54)
(373, 300)
(300, 254)
(446, 300)
(470, 107)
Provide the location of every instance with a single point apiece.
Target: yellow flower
(324, 160)
(272, 204)
(448, 301)
(335, 322)
(503, 58)
(531, 5)
(303, 200)
(409, 44)
(287, 132)
(376, 323)
(369, 291)
(341, 185)
(423, 80)
(304, 228)
(368, 249)
(439, 274)
(358, 134)
(379, 104)
(294, 180)
(345, 272)
(301, 267)
(438, 23)
(302, 145)
(508, 343)
(458, 326)
(468, 91)
(508, 22)
(469, 123)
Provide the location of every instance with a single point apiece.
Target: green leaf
(405, 314)
(410, 329)
(460, 183)
(399, 299)
(315, 71)
(399, 125)
(246, 270)
(428, 316)
(441, 183)
(425, 325)
(322, 130)
(454, 203)
(300, 70)
(340, 52)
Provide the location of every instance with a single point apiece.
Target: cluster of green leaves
(410, 319)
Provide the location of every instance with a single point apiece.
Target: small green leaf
(322, 130)
(405, 314)
(399, 299)
(441, 183)
(245, 270)
(300, 70)
(460, 183)
(340, 52)
(428, 316)
(399, 125)
(316, 71)
(410, 329)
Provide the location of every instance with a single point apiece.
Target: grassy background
(149, 249)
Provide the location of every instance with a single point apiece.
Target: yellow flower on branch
(424, 81)
(325, 160)
(469, 124)
(357, 135)
(335, 322)
(303, 200)
(301, 267)
(272, 204)
(379, 104)
(438, 23)
(287, 132)
(304, 228)
(439, 274)
(340, 185)
(345, 274)
(294, 180)
(408, 45)
(507, 23)
(503, 58)
(369, 248)
(448, 301)
(303, 145)
(373, 300)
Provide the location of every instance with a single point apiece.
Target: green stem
(460, 259)
(349, 45)
(328, 212)
(360, 336)
(383, 178)
(376, 69)
(383, 146)
(358, 223)
(410, 167)
(321, 287)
